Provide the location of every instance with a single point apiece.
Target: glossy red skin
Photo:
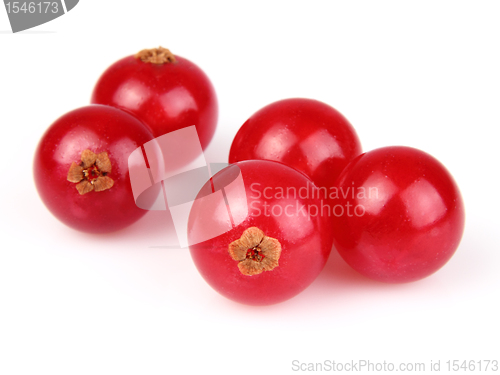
(97, 128)
(306, 240)
(305, 134)
(165, 97)
(413, 221)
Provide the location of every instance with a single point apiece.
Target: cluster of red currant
(394, 214)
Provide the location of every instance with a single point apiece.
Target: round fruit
(81, 168)
(269, 242)
(164, 91)
(398, 214)
(304, 134)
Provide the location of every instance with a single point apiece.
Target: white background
(424, 74)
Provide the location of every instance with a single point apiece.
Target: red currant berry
(164, 91)
(398, 214)
(81, 168)
(304, 134)
(276, 242)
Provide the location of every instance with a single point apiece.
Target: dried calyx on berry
(91, 173)
(255, 252)
(157, 56)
